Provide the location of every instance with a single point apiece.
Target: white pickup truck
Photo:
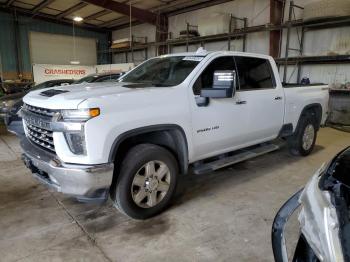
(171, 115)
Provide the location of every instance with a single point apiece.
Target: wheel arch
(316, 110)
(170, 136)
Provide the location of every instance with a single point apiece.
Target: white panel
(139, 56)
(292, 72)
(58, 49)
(330, 41)
(258, 43)
(215, 19)
(178, 49)
(327, 42)
(143, 30)
(236, 45)
(318, 42)
(152, 51)
(328, 74)
(121, 67)
(119, 58)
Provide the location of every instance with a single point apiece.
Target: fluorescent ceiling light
(78, 19)
(75, 62)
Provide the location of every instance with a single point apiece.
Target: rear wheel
(146, 182)
(303, 141)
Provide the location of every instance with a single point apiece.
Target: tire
(147, 181)
(303, 141)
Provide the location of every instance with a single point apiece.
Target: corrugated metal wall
(318, 42)
(27, 24)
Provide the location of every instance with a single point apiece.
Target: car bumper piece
(86, 182)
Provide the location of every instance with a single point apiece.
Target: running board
(240, 156)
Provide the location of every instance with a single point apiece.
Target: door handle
(241, 102)
(278, 98)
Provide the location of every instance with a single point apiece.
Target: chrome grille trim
(40, 130)
(41, 136)
(37, 123)
(39, 110)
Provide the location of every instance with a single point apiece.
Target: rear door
(262, 97)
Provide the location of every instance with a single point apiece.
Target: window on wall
(205, 80)
(254, 73)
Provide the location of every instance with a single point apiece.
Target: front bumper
(86, 182)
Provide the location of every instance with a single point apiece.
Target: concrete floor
(224, 216)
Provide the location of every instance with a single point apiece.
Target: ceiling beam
(71, 10)
(123, 20)
(168, 9)
(120, 23)
(195, 6)
(97, 15)
(51, 18)
(41, 5)
(121, 8)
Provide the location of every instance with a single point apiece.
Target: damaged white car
(324, 217)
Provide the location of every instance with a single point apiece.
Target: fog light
(76, 143)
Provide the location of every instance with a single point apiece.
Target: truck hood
(69, 97)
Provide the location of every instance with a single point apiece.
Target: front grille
(41, 137)
(38, 126)
(39, 110)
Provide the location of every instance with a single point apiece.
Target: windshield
(163, 71)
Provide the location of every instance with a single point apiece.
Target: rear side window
(254, 73)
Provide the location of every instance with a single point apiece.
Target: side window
(205, 80)
(254, 73)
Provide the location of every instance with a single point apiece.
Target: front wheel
(146, 182)
(303, 141)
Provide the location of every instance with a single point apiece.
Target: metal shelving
(233, 34)
(134, 45)
(305, 26)
(241, 33)
(327, 59)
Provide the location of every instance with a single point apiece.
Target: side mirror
(202, 101)
(224, 85)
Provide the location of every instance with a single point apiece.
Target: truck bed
(290, 85)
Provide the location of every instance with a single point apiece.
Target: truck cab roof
(203, 53)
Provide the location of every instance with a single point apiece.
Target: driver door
(219, 126)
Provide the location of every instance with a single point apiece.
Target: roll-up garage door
(58, 49)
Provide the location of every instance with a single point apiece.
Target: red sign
(52, 71)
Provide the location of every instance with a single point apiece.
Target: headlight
(80, 115)
(73, 127)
